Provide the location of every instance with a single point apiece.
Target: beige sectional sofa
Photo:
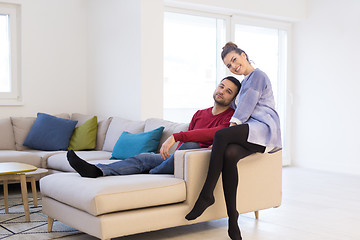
(13, 131)
(114, 206)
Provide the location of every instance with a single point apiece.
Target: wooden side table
(20, 172)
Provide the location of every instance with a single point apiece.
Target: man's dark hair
(235, 81)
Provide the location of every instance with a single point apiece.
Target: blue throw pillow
(50, 133)
(129, 144)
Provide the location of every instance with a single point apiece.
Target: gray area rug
(13, 225)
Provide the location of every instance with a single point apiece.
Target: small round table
(20, 172)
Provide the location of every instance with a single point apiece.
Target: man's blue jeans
(144, 163)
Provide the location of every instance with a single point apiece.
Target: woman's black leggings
(230, 145)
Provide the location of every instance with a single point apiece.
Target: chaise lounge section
(114, 206)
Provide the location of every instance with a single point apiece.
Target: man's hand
(232, 124)
(164, 150)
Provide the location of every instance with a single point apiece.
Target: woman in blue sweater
(255, 127)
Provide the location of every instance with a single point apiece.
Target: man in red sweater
(200, 134)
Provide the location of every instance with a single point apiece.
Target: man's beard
(221, 103)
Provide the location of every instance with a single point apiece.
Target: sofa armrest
(192, 166)
(260, 178)
(182, 155)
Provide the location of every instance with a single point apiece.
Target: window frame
(14, 96)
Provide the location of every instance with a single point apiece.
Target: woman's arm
(250, 94)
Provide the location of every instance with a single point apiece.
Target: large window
(192, 45)
(193, 66)
(9, 54)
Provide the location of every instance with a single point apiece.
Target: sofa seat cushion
(113, 193)
(21, 157)
(44, 155)
(59, 161)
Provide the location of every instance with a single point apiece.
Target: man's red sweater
(203, 126)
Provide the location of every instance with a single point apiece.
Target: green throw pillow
(84, 136)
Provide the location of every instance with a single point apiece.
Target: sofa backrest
(22, 126)
(170, 128)
(103, 124)
(116, 127)
(15, 129)
(119, 125)
(7, 138)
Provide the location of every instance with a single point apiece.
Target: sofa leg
(50, 224)
(256, 215)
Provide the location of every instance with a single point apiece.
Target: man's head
(226, 91)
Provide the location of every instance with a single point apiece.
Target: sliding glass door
(193, 66)
(191, 63)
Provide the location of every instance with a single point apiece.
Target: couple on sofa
(200, 134)
(254, 127)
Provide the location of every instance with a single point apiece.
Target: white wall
(326, 87)
(53, 57)
(102, 56)
(114, 58)
(125, 58)
(91, 56)
(152, 18)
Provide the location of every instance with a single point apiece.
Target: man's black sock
(84, 168)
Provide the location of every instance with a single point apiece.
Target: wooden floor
(316, 206)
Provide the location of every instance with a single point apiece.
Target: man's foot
(200, 206)
(84, 168)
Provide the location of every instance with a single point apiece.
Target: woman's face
(237, 63)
